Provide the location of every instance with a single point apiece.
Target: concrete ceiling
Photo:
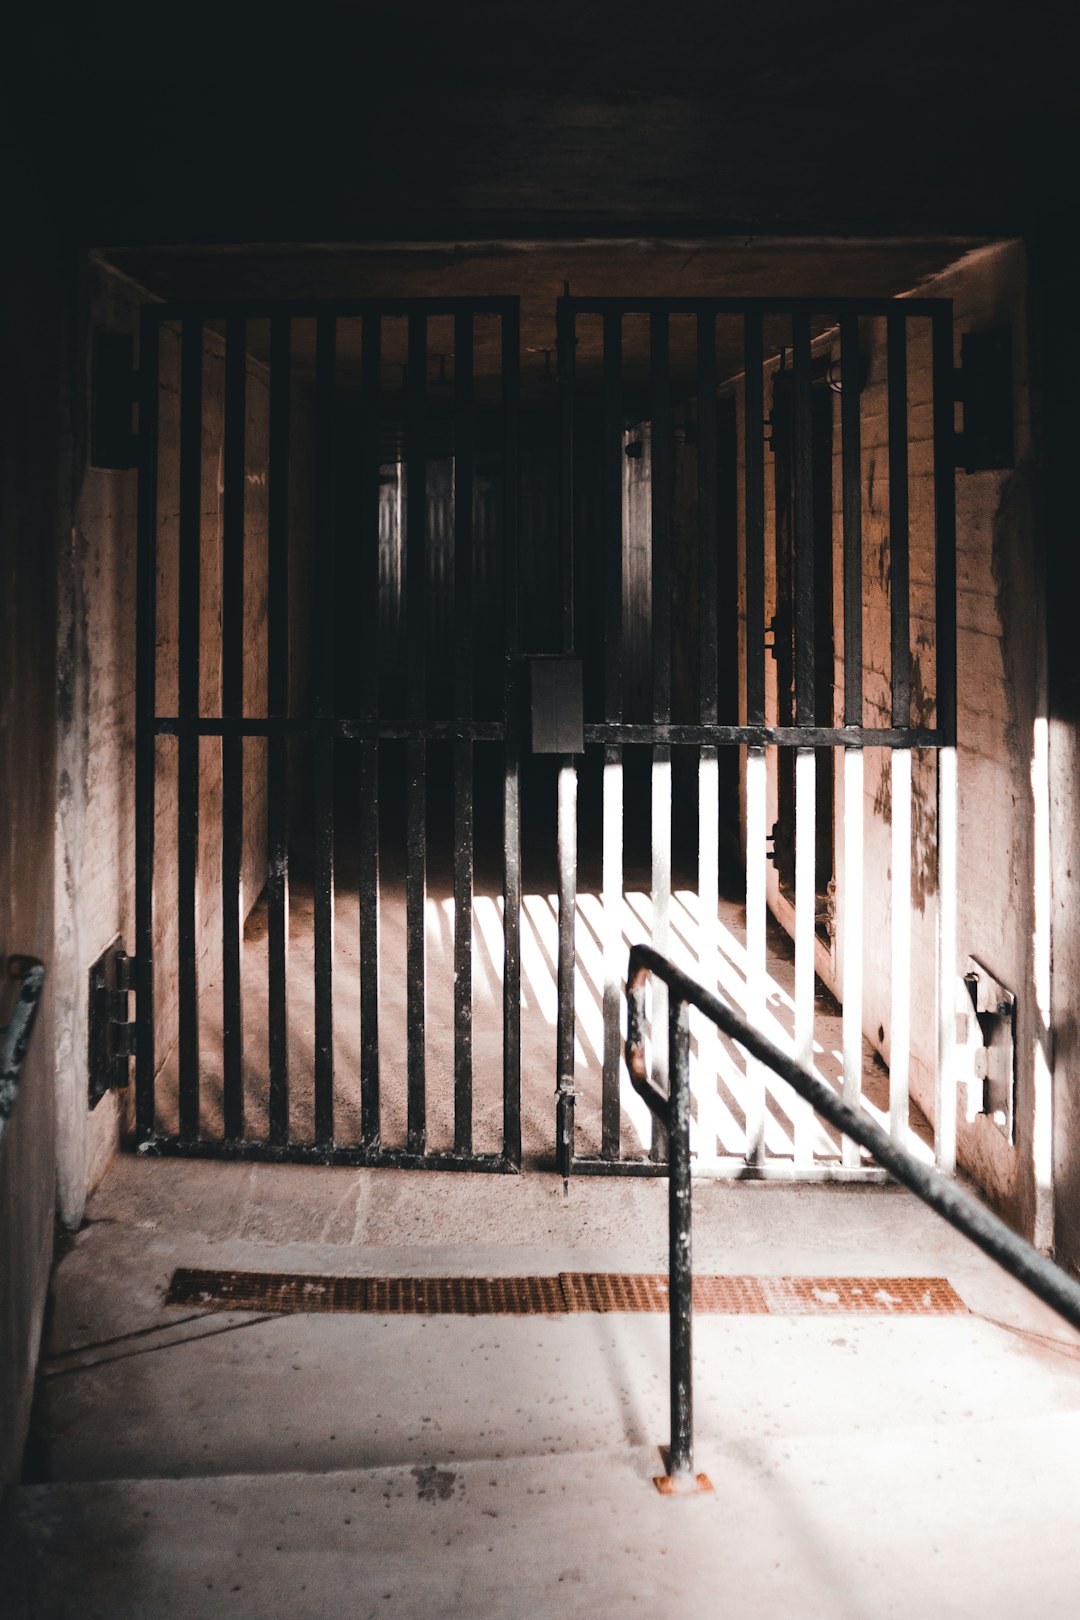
(419, 119)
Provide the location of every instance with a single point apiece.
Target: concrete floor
(209, 1465)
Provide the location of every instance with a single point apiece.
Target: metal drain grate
(570, 1292)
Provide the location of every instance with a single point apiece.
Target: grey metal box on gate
(556, 706)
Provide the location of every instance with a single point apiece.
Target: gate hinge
(111, 1032)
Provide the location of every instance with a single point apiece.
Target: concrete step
(839, 1526)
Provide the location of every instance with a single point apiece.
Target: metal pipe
(680, 1272)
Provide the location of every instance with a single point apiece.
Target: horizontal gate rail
(974, 1221)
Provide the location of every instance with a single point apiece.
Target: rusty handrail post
(673, 1111)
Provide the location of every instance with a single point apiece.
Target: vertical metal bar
(369, 943)
(511, 364)
(612, 882)
(944, 524)
(707, 505)
(899, 565)
(660, 494)
(851, 479)
(945, 661)
(566, 826)
(463, 1000)
(463, 750)
(754, 457)
(416, 563)
(188, 786)
(146, 708)
(756, 966)
(567, 342)
(371, 370)
(370, 461)
(612, 867)
(852, 918)
(613, 463)
(662, 446)
(900, 998)
(804, 526)
(322, 627)
(415, 919)
(708, 946)
(805, 788)
(277, 763)
(567, 856)
(680, 1262)
(232, 747)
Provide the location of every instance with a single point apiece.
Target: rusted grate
(570, 1292)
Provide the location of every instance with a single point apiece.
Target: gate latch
(986, 1033)
(111, 1033)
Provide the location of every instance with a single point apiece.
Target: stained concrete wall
(35, 321)
(1000, 692)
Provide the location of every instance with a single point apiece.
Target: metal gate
(331, 721)
(327, 631)
(707, 487)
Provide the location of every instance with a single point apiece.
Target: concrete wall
(1000, 692)
(35, 310)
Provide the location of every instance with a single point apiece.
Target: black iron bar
(944, 520)
(146, 704)
(986, 1230)
(598, 732)
(322, 641)
(464, 453)
(369, 944)
(190, 536)
(415, 897)
(613, 463)
(707, 505)
(803, 494)
(851, 483)
(511, 497)
(358, 729)
(371, 463)
(660, 495)
(754, 456)
(232, 748)
(899, 563)
(354, 1154)
(566, 809)
(416, 565)
(567, 345)
(277, 760)
(463, 986)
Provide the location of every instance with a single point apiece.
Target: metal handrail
(15, 1036)
(985, 1229)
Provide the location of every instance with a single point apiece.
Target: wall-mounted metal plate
(986, 1034)
(558, 722)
